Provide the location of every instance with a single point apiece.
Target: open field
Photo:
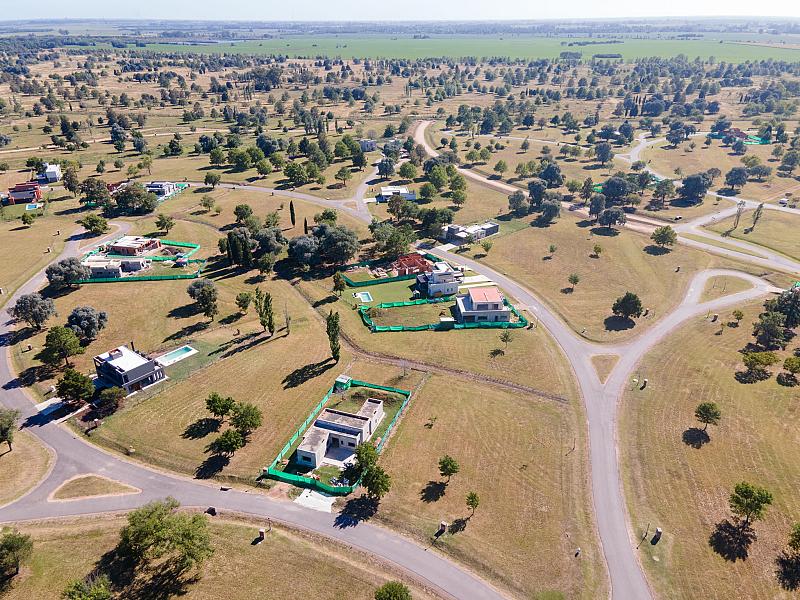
(520, 455)
(23, 467)
(775, 230)
(723, 285)
(89, 486)
(684, 489)
(624, 265)
(287, 565)
(458, 46)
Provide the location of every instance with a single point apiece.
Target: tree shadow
(187, 331)
(356, 510)
(654, 250)
(604, 231)
(496, 353)
(433, 491)
(201, 428)
(458, 525)
(732, 540)
(695, 437)
(583, 224)
(788, 571)
(145, 582)
(185, 311)
(617, 323)
(309, 371)
(326, 300)
(752, 375)
(211, 466)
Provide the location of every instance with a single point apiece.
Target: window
(306, 458)
(351, 444)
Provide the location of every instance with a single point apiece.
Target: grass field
(89, 486)
(287, 565)
(525, 459)
(778, 231)
(459, 46)
(23, 467)
(724, 285)
(684, 489)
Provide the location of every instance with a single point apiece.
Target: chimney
(132, 346)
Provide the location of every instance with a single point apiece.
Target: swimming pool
(363, 296)
(32, 206)
(174, 356)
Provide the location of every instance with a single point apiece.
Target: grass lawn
(604, 364)
(718, 243)
(287, 565)
(625, 264)
(91, 485)
(409, 316)
(723, 285)
(525, 459)
(778, 231)
(23, 467)
(672, 484)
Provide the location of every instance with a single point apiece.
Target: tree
(332, 329)
(473, 501)
(615, 189)
(612, 216)
(243, 300)
(597, 205)
(91, 588)
(574, 279)
(757, 363)
(86, 321)
(27, 219)
(135, 199)
(339, 284)
(8, 426)
(70, 181)
(448, 467)
(242, 212)
(165, 223)
(664, 190)
(749, 501)
(15, 549)
(794, 538)
(597, 250)
(207, 202)
(344, 175)
(204, 293)
(366, 457)
(738, 315)
(61, 343)
(708, 413)
(67, 272)
(664, 236)
(393, 590)
(604, 153)
(94, 224)
(736, 177)
(788, 304)
(157, 531)
(770, 329)
(627, 306)
(218, 405)
(551, 209)
(757, 215)
(501, 167)
(75, 387)
(212, 179)
(486, 245)
(386, 168)
(376, 481)
(229, 442)
(506, 337)
(34, 309)
(110, 399)
(408, 171)
(695, 187)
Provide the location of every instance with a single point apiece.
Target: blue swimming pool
(174, 356)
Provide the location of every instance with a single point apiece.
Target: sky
(371, 10)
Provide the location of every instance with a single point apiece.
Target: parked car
(677, 218)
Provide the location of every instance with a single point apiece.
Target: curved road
(75, 456)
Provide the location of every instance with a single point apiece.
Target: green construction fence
(314, 484)
(366, 263)
(363, 310)
(193, 248)
(194, 275)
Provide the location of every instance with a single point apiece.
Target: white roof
(390, 190)
(131, 241)
(52, 168)
(123, 358)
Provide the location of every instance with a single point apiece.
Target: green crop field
(480, 46)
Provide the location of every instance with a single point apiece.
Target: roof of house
(411, 260)
(339, 417)
(369, 407)
(313, 439)
(393, 189)
(485, 294)
(132, 241)
(123, 359)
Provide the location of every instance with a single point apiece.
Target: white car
(783, 201)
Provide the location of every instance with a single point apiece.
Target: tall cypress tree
(332, 327)
(305, 225)
(291, 212)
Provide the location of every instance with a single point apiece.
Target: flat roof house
(482, 304)
(161, 188)
(368, 145)
(24, 192)
(104, 268)
(460, 234)
(335, 434)
(392, 190)
(127, 369)
(133, 245)
(51, 174)
(441, 280)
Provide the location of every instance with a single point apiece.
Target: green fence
(194, 275)
(363, 310)
(193, 248)
(314, 484)
(366, 263)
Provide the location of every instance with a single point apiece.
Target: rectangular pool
(363, 296)
(174, 356)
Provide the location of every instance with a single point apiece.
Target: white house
(368, 145)
(52, 173)
(103, 268)
(395, 190)
(460, 234)
(126, 368)
(162, 188)
(335, 434)
(482, 304)
(442, 280)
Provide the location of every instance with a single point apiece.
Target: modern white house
(51, 174)
(441, 280)
(335, 434)
(395, 190)
(161, 188)
(461, 234)
(482, 304)
(133, 245)
(102, 267)
(126, 368)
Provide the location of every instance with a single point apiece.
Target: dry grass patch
(90, 486)
(23, 467)
(672, 483)
(723, 285)
(66, 550)
(526, 460)
(604, 364)
(776, 230)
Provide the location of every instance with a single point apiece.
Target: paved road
(75, 456)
